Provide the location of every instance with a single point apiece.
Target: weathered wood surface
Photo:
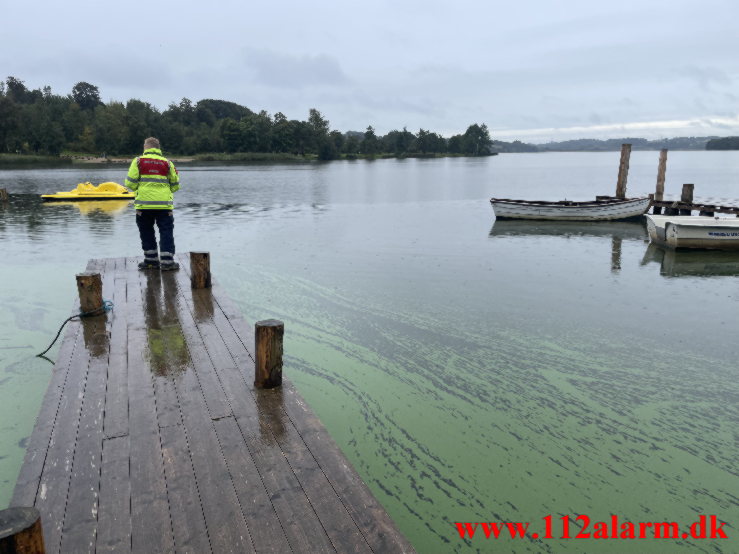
(20, 531)
(659, 191)
(268, 346)
(200, 270)
(151, 437)
(623, 171)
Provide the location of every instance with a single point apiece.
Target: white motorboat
(685, 231)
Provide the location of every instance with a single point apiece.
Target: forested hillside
(41, 122)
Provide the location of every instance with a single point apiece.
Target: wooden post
(200, 270)
(687, 197)
(268, 365)
(659, 192)
(20, 531)
(623, 171)
(3, 195)
(90, 287)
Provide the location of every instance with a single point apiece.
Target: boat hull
(598, 210)
(694, 232)
(88, 191)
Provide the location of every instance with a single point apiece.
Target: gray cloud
(278, 69)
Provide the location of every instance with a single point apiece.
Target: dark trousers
(164, 220)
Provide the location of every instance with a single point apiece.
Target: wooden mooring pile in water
(151, 437)
(686, 205)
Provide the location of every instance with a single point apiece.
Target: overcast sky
(531, 70)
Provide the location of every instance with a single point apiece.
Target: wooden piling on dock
(623, 171)
(90, 287)
(659, 192)
(268, 347)
(200, 270)
(3, 195)
(686, 197)
(20, 531)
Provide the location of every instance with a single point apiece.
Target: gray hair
(151, 142)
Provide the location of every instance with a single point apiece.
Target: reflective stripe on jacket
(154, 179)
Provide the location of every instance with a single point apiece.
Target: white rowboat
(603, 208)
(687, 231)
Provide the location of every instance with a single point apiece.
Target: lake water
(470, 370)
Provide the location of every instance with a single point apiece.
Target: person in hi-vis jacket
(154, 179)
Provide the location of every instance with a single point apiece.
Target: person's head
(151, 142)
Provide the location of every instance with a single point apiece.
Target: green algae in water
(468, 376)
(489, 423)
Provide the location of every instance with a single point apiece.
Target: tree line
(724, 143)
(40, 122)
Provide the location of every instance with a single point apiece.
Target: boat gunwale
(610, 201)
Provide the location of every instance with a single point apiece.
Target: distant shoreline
(30, 160)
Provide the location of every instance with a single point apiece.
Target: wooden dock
(151, 437)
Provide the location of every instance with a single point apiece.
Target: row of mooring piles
(268, 343)
(686, 205)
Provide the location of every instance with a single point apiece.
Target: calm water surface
(470, 370)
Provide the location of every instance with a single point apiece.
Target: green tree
(231, 134)
(110, 128)
(10, 122)
(319, 127)
(476, 140)
(282, 135)
(351, 145)
(86, 96)
(725, 143)
(16, 90)
(370, 143)
(142, 120)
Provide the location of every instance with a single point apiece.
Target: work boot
(148, 264)
(167, 261)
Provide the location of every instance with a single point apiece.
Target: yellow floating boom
(88, 191)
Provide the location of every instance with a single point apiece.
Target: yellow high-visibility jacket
(154, 179)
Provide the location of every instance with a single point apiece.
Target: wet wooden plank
(330, 509)
(151, 529)
(225, 522)
(188, 521)
(115, 423)
(114, 514)
(80, 517)
(264, 526)
(167, 353)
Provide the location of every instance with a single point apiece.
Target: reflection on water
(625, 230)
(693, 263)
(618, 231)
(90, 207)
